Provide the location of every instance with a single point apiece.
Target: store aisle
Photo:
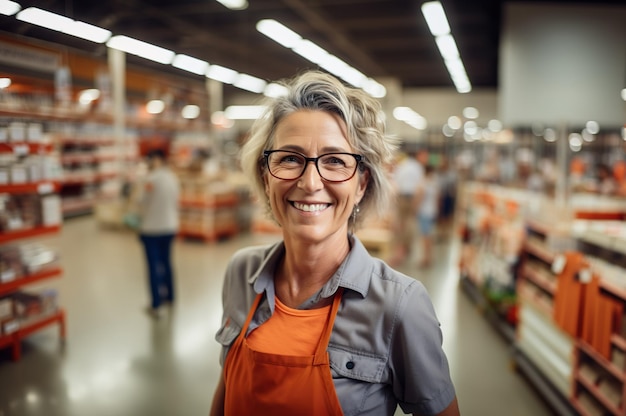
(119, 361)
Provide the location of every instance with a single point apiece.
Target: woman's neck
(306, 268)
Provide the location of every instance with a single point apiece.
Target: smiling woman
(314, 325)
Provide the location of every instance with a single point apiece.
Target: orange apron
(270, 384)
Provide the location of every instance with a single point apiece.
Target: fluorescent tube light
(447, 47)
(222, 74)
(310, 51)
(274, 90)
(88, 32)
(353, 76)
(44, 18)
(234, 4)
(244, 112)
(190, 111)
(64, 24)
(142, 49)
(332, 64)
(9, 8)
(250, 83)
(440, 28)
(190, 64)
(278, 33)
(435, 18)
(314, 53)
(410, 117)
(375, 89)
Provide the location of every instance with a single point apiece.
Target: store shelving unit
(600, 379)
(207, 209)
(571, 334)
(15, 330)
(492, 234)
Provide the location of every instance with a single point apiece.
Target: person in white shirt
(158, 227)
(407, 177)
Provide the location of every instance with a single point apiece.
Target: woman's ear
(364, 179)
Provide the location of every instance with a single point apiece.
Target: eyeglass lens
(331, 166)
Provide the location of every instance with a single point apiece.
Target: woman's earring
(355, 211)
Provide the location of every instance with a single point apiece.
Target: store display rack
(569, 333)
(208, 209)
(14, 331)
(572, 296)
(491, 237)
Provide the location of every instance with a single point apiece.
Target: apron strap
(253, 308)
(320, 352)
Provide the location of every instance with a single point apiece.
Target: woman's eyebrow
(328, 149)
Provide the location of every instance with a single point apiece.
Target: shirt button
(349, 365)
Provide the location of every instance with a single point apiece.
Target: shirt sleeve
(421, 376)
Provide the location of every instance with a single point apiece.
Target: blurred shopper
(427, 202)
(313, 325)
(407, 177)
(448, 180)
(158, 210)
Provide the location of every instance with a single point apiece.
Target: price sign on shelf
(45, 188)
(559, 264)
(20, 149)
(585, 276)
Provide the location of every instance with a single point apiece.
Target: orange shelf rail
(41, 187)
(11, 286)
(31, 232)
(14, 339)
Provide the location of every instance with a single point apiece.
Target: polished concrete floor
(119, 361)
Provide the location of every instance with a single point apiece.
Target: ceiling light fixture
(190, 111)
(142, 49)
(410, 117)
(435, 18)
(63, 24)
(155, 106)
(278, 33)
(439, 27)
(250, 83)
(314, 53)
(9, 8)
(190, 64)
(274, 90)
(234, 4)
(222, 74)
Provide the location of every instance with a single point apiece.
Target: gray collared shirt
(385, 348)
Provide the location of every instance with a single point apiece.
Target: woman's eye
(334, 161)
(290, 159)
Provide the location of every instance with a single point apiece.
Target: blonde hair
(363, 116)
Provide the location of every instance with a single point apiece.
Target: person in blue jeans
(158, 226)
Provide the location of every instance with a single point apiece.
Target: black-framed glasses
(332, 167)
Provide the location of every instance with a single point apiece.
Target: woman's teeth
(309, 207)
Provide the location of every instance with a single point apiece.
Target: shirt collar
(354, 272)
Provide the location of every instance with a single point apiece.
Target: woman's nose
(310, 179)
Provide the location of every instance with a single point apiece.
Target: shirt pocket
(358, 380)
(357, 366)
